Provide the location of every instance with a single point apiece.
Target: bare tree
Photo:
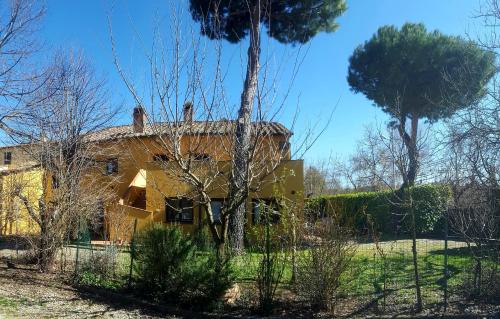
(19, 78)
(471, 165)
(186, 110)
(473, 212)
(322, 177)
(382, 162)
(74, 103)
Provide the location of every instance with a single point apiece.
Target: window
(55, 182)
(201, 157)
(160, 158)
(216, 205)
(284, 146)
(262, 207)
(112, 166)
(179, 210)
(7, 158)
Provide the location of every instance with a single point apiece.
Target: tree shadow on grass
(456, 251)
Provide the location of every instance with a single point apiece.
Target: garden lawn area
(27, 293)
(366, 276)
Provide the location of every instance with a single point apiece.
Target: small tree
(72, 103)
(407, 74)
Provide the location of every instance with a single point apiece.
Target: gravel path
(26, 293)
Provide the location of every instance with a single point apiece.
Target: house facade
(142, 182)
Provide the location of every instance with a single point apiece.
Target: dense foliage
(383, 209)
(291, 21)
(410, 71)
(169, 267)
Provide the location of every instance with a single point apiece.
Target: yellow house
(139, 174)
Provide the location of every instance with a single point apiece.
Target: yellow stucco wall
(136, 154)
(14, 217)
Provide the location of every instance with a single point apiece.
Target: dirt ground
(26, 293)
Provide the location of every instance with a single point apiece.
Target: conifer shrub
(169, 267)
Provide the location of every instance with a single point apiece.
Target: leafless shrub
(320, 267)
(273, 259)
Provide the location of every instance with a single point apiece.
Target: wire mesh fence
(451, 270)
(381, 278)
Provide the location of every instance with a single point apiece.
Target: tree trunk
(415, 257)
(237, 229)
(221, 243)
(413, 156)
(45, 250)
(410, 142)
(242, 142)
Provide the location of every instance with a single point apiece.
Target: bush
(169, 267)
(430, 202)
(98, 269)
(320, 268)
(271, 265)
(203, 238)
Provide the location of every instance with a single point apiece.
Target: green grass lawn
(366, 275)
(370, 274)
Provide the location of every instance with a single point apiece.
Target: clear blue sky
(322, 78)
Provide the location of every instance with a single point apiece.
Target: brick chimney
(188, 112)
(139, 117)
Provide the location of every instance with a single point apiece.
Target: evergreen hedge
(385, 209)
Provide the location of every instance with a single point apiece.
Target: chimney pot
(188, 112)
(139, 118)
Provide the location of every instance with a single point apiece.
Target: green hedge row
(385, 209)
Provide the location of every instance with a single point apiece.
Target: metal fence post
(132, 255)
(446, 261)
(77, 245)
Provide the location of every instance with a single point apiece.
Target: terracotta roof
(193, 128)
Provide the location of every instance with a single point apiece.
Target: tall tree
(412, 74)
(288, 21)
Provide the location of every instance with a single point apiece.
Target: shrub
(162, 256)
(321, 267)
(430, 202)
(98, 269)
(169, 267)
(203, 239)
(271, 265)
(215, 276)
